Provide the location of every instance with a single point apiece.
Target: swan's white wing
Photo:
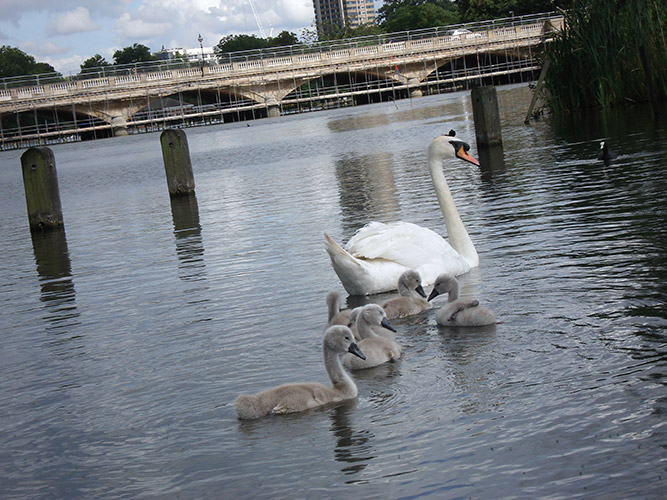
(362, 276)
(408, 245)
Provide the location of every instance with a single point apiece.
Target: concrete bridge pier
(273, 107)
(414, 86)
(119, 126)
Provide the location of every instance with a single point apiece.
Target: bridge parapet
(259, 66)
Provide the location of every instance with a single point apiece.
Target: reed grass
(610, 52)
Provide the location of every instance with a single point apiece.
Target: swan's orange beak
(463, 154)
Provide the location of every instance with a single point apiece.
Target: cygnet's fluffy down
(458, 312)
(377, 350)
(412, 298)
(297, 397)
(336, 314)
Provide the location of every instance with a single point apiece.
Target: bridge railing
(314, 95)
(257, 59)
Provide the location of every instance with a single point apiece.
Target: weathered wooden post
(486, 116)
(177, 164)
(40, 182)
(536, 92)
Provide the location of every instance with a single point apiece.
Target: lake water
(128, 336)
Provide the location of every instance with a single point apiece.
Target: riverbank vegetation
(610, 52)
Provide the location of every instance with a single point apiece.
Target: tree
(236, 43)
(333, 31)
(96, 61)
(284, 38)
(481, 10)
(412, 17)
(390, 7)
(134, 54)
(15, 62)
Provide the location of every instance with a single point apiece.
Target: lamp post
(200, 40)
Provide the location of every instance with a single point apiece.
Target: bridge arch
(253, 85)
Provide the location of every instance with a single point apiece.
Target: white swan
(412, 298)
(336, 315)
(292, 398)
(378, 253)
(458, 312)
(377, 350)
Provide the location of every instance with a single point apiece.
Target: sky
(64, 33)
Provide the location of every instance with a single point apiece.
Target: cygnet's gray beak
(420, 291)
(387, 325)
(354, 349)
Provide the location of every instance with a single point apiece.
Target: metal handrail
(271, 53)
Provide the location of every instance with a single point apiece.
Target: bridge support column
(414, 86)
(119, 126)
(273, 107)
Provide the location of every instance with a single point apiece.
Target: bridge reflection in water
(271, 82)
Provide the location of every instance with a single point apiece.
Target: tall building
(341, 12)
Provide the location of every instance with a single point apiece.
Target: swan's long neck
(456, 231)
(340, 380)
(453, 292)
(403, 289)
(333, 304)
(364, 329)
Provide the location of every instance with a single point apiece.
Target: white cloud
(74, 21)
(44, 49)
(130, 28)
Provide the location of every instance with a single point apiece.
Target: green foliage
(96, 61)
(427, 15)
(335, 32)
(283, 39)
(236, 43)
(133, 54)
(15, 62)
(596, 61)
(481, 10)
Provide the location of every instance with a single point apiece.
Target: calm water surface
(128, 336)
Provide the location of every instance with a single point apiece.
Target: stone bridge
(271, 79)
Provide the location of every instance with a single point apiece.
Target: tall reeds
(610, 52)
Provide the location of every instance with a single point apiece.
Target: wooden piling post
(486, 116)
(536, 92)
(40, 182)
(177, 164)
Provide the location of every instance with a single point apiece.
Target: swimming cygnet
(412, 298)
(293, 398)
(336, 315)
(458, 312)
(377, 350)
(379, 330)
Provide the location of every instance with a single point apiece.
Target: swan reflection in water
(367, 189)
(354, 448)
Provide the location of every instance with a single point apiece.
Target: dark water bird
(297, 397)
(606, 154)
(458, 312)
